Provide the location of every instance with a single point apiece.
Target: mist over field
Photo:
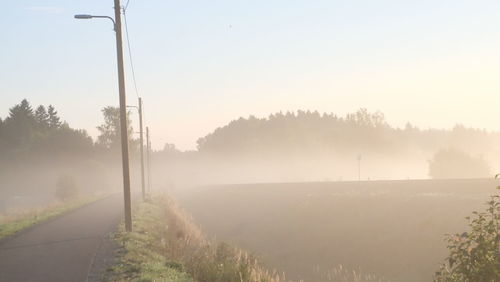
(391, 229)
(309, 193)
(250, 141)
(306, 192)
(309, 146)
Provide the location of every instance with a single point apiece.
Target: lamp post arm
(86, 17)
(107, 17)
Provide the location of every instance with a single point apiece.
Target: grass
(165, 245)
(15, 222)
(391, 229)
(141, 257)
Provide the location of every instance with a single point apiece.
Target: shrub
(475, 255)
(456, 164)
(66, 188)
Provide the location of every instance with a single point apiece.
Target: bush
(475, 255)
(456, 164)
(66, 188)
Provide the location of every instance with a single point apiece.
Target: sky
(200, 64)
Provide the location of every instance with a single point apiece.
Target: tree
(170, 149)
(68, 140)
(110, 131)
(475, 255)
(19, 125)
(42, 118)
(27, 132)
(452, 163)
(54, 120)
(2, 134)
(21, 112)
(302, 132)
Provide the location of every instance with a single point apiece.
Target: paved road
(65, 248)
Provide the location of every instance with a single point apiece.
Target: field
(391, 229)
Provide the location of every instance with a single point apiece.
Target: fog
(319, 141)
(33, 183)
(391, 229)
(306, 192)
(375, 207)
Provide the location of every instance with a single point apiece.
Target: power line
(129, 50)
(126, 6)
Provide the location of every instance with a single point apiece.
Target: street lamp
(123, 109)
(88, 17)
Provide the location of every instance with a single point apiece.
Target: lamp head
(83, 17)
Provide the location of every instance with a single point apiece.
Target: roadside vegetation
(141, 258)
(13, 222)
(475, 254)
(166, 245)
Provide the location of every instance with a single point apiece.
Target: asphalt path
(65, 248)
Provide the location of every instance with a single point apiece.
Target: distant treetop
(306, 132)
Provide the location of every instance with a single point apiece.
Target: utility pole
(142, 151)
(359, 167)
(123, 118)
(148, 144)
(117, 23)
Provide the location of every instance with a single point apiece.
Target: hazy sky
(200, 64)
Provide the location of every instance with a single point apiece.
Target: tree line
(40, 131)
(454, 153)
(359, 132)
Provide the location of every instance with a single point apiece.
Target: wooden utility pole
(148, 155)
(359, 167)
(123, 118)
(143, 185)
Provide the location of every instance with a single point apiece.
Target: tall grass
(204, 259)
(343, 274)
(182, 242)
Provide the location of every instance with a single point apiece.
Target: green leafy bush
(475, 255)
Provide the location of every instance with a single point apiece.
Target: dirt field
(392, 229)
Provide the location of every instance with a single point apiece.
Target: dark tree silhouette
(40, 132)
(54, 120)
(19, 125)
(42, 118)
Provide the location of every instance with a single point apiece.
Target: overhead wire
(126, 6)
(124, 10)
(129, 49)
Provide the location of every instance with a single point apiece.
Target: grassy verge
(141, 258)
(13, 223)
(166, 246)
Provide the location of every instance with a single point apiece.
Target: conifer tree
(54, 120)
(42, 117)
